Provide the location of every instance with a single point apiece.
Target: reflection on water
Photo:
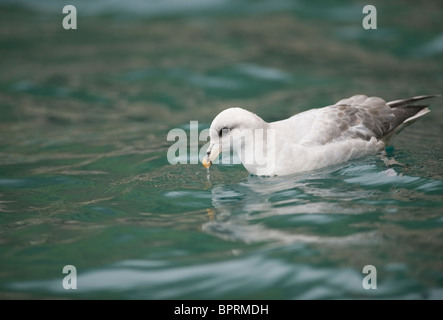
(243, 212)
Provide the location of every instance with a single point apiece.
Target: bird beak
(212, 154)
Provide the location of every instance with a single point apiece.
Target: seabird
(313, 139)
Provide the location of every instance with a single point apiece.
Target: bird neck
(256, 150)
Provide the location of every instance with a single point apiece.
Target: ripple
(39, 182)
(160, 8)
(264, 73)
(432, 48)
(241, 277)
(215, 82)
(382, 178)
(245, 276)
(236, 231)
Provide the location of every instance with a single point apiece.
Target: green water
(84, 176)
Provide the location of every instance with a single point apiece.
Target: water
(84, 178)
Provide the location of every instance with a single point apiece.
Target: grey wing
(357, 117)
(366, 117)
(362, 117)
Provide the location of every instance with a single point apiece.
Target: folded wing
(362, 117)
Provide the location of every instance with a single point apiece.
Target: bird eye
(224, 131)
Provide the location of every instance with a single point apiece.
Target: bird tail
(406, 112)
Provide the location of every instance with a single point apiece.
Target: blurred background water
(85, 181)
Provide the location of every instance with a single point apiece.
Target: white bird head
(231, 129)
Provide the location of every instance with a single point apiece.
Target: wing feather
(357, 117)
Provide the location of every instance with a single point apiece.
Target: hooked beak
(212, 154)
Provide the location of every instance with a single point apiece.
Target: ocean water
(84, 175)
